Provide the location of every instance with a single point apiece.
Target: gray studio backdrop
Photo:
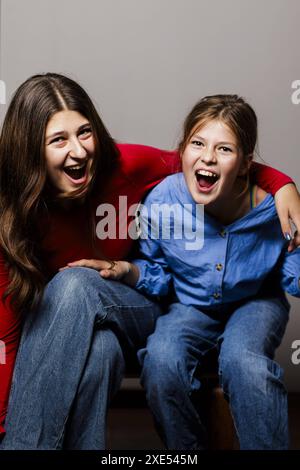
(145, 63)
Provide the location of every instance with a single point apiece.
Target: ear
(245, 165)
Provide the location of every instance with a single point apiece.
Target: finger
(295, 243)
(89, 263)
(62, 269)
(285, 225)
(296, 221)
(80, 262)
(107, 273)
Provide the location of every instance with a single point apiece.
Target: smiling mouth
(76, 172)
(206, 179)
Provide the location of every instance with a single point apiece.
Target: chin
(198, 198)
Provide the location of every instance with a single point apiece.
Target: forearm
(286, 197)
(268, 178)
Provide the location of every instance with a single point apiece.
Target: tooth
(206, 173)
(77, 167)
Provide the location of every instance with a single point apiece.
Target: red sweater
(138, 170)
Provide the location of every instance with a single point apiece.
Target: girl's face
(69, 150)
(212, 162)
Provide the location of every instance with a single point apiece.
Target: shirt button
(216, 295)
(219, 267)
(223, 233)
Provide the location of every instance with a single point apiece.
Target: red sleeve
(10, 328)
(268, 178)
(148, 165)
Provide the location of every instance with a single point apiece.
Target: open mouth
(76, 172)
(206, 179)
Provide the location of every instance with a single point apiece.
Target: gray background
(145, 63)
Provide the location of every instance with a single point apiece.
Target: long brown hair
(23, 176)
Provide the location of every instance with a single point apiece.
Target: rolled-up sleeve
(290, 273)
(153, 280)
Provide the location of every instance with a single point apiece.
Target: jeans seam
(150, 305)
(109, 308)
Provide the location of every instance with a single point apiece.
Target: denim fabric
(71, 360)
(247, 336)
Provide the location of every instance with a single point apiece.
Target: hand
(287, 202)
(107, 269)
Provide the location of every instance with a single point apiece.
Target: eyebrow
(63, 132)
(197, 136)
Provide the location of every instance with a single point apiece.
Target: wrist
(132, 275)
(127, 267)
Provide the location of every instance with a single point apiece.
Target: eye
(225, 149)
(86, 132)
(57, 139)
(196, 142)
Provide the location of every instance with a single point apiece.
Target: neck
(231, 207)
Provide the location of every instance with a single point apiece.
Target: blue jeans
(252, 381)
(71, 360)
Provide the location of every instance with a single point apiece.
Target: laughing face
(69, 151)
(212, 162)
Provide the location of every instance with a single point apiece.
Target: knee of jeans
(163, 362)
(71, 280)
(73, 284)
(247, 369)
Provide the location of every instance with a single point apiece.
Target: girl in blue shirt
(228, 269)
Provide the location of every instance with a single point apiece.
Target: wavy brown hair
(24, 187)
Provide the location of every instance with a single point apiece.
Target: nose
(77, 150)
(208, 155)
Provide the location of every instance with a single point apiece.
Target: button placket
(217, 295)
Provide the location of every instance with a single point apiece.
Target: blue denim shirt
(230, 262)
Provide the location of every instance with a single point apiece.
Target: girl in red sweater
(58, 166)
